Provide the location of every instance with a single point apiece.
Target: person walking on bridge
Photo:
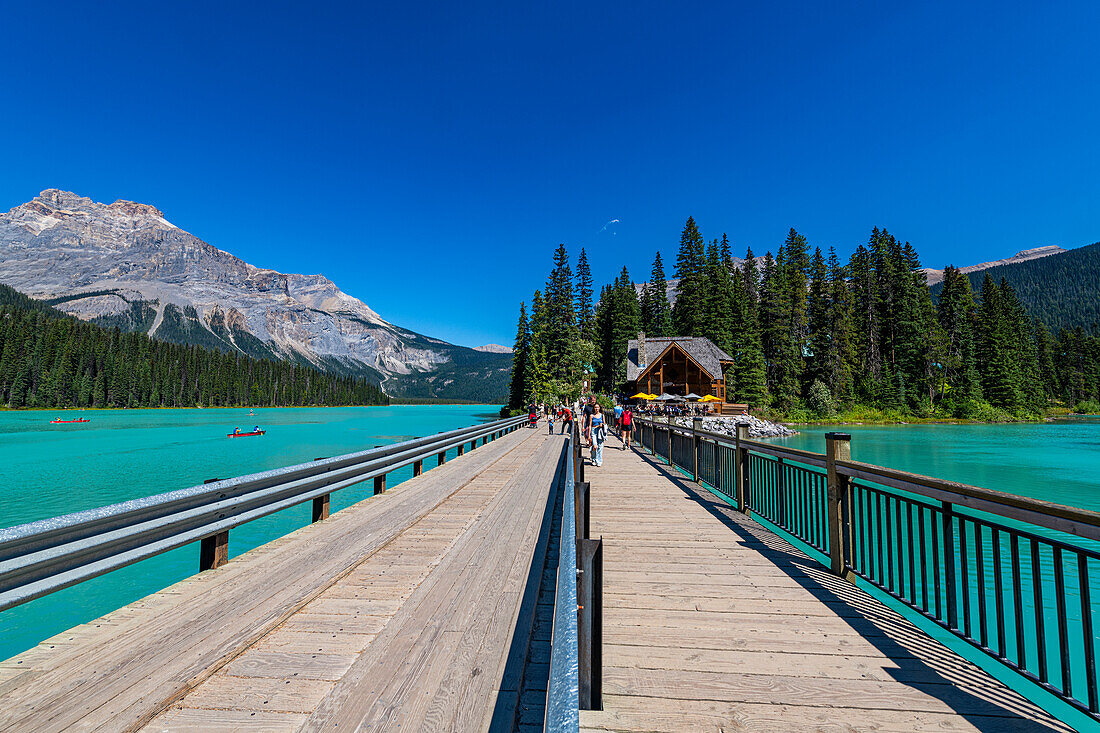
(627, 425)
(598, 431)
(589, 409)
(566, 419)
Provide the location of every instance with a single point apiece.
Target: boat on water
(59, 421)
(245, 435)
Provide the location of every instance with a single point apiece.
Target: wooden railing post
(380, 484)
(741, 468)
(838, 447)
(696, 446)
(320, 508)
(214, 551)
(590, 622)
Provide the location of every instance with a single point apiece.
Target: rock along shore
(758, 427)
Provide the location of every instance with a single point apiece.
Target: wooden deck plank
(711, 622)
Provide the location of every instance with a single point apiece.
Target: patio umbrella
(642, 396)
(691, 396)
(710, 398)
(665, 397)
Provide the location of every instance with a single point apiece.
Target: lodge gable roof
(702, 350)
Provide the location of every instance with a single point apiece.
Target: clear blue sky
(428, 157)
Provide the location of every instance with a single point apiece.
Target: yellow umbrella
(642, 396)
(710, 398)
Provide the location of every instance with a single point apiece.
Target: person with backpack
(566, 419)
(598, 432)
(627, 422)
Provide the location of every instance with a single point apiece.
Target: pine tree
(688, 312)
(559, 332)
(656, 312)
(718, 315)
(519, 386)
(586, 317)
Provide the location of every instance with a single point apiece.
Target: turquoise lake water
(48, 470)
(1056, 461)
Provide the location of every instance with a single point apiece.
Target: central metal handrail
(48, 555)
(563, 686)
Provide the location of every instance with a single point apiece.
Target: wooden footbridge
(473, 597)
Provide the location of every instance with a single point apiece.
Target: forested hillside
(48, 359)
(1063, 291)
(814, 337)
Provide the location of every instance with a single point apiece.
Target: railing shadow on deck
(923, 663)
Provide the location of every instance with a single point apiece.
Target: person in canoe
(236, 431)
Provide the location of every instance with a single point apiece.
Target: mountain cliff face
(124, 264)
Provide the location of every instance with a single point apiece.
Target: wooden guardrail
(1009, 574)
(45, 556)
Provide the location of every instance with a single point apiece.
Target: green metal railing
(1012, 576)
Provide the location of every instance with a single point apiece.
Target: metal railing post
(418, 468)
(949, 565)
(583, 507)
(741, 468)
(696, 426)
(838, 447)
(590, 622)
(380, 484)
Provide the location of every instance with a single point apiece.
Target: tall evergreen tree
(689, 311)
(519, 388)
(586, 316)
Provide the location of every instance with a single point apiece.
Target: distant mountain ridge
(935, 276)
(1061, 291)
(124, 264)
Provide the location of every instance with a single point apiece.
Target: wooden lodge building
(678, 365)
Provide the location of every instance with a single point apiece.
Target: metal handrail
(48, 555)
(563, 687)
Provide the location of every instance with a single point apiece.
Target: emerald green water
(47, 470)
(1056, 461)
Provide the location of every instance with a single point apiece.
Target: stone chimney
(641, 350)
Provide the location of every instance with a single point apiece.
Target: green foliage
(52, 361)
(1087, 407)
(618, 319)
(820, 399)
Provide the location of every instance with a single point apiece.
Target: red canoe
(243, 435)
(58, 422)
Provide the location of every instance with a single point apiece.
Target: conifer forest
(48, 359)
(813, 337)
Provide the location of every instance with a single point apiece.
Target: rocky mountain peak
(58, 199)
(136, 210)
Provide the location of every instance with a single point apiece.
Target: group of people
(595, 423)
(675, 409)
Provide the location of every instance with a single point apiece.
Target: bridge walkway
(408, 611)
(714, 623)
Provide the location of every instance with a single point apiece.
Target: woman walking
(599, 435)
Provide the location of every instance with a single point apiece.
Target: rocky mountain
(935, 276)
(124, 264)
(494, 349)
